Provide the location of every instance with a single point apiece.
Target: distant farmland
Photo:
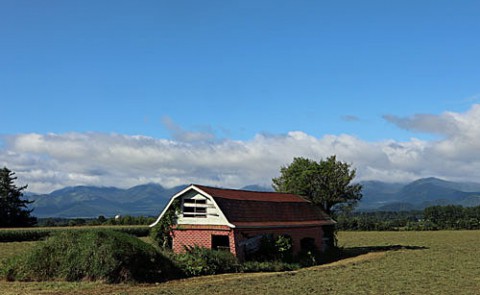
(438, 262)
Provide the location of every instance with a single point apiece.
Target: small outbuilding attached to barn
(229, 219)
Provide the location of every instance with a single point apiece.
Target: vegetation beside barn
(103, 255)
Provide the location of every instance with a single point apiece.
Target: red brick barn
(233, 219)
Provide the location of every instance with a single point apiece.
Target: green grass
(14, 248)
(443, 262)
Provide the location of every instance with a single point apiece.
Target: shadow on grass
(350, 252)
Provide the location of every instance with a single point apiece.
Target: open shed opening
(220, 243)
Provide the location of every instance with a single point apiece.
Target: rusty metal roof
(245, 195)
(257, 209)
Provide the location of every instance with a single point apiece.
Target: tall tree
(327, 183)
(13, 208)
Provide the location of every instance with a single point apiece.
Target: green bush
(284, 247)
(160, 235)
(104, 255)
(198, 261)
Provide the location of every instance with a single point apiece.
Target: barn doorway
(308, 244)
(220, 243)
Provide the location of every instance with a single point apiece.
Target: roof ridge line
(244, 190)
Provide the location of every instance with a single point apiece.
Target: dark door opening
(220, 243)
(308, 244)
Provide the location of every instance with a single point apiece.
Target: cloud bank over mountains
(51, 161)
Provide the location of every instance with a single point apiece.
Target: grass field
(37, 233)
(442, 262)
(13, 248)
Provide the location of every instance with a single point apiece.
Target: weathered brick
(202, 236)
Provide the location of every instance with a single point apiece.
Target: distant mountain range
(418, 194)
(90, 201)
(149, 199)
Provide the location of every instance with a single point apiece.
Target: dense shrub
(198, 261)
(104, 255)
(160, 235)
(284, 247)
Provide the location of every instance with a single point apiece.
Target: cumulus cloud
(51, 161)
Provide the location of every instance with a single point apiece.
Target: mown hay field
(442, 262)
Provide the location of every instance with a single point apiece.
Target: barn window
(195, 201)
(195, 208)
(220, 243)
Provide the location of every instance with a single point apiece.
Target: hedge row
(35, 234)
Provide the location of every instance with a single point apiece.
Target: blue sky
(209, 73)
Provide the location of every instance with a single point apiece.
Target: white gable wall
(192, 197)
(193, 200)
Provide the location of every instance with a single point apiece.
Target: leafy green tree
(327, 183)
(13, 209)
(101, 219)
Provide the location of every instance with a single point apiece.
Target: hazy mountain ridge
(90, 201)
(418, 194)
(149, 199)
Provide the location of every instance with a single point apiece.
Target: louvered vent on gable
(198, 207)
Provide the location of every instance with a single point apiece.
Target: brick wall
(202, 236)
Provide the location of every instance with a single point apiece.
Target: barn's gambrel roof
(242, 208)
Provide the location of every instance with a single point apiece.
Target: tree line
(100, 220)
(450, 217)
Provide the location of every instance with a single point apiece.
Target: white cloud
(51, 161)
(448, 124)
